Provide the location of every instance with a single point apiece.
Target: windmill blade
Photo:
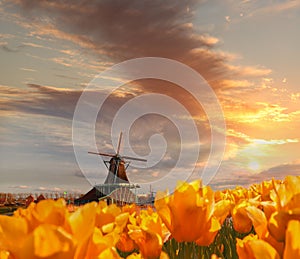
(134, 158)
(119, 144)
(101, 154)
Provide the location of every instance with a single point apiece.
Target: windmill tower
(116, 179)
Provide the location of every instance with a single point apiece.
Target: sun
(253, 165)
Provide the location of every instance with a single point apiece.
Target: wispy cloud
(8, 48)
(4, 36)
(45, 100)
(23, 187)
(273, 7)
(239, 136)
(28, 69)
(261, 112)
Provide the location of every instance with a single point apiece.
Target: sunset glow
(253, 165)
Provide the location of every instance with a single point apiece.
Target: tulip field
(262, 221)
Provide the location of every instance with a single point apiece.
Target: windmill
(117, 165)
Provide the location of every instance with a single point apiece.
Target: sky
(50, 51)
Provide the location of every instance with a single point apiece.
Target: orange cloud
(250, 71)
(227, 83)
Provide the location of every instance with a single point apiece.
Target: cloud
(6, 35)
(226, 83)
(27, 69)
(34, 45)
(120, 30)
(244, 138)
(274, 141)
(48, 189)
(273, 8)
(260, 112)
(246, 179)
(250, 71)
(20, 187)
(7, 48)
(241, 146)
(45, 100)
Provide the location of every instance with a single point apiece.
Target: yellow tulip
(292, 244)
(4, 254)
(106, 214)
(100, 245)
(49, 241)
(139, 256)
(264, 189)
(44, 212)
(240, 194)
(146, 229)
(260, 224)
(131, 208)
(189, 213)
(134, 256)
(13, 234)
(222, 210)
(109, 253)
(268, 208)
(97, 228)
(286, 195)
(81, 224)
(277, 225)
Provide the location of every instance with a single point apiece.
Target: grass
(224, 245)
(8, 210)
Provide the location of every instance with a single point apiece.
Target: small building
(29, 200)
(40, 198)
(111, 193)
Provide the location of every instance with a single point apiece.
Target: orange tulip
(101, 245)
(186, 211)
(260, 224)
(45, 211)
(253, 248)
(263, 189)
(147, 232)
(125, 243)
(241, 221)
(189, 213)
(48, 241)
(48, 230)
